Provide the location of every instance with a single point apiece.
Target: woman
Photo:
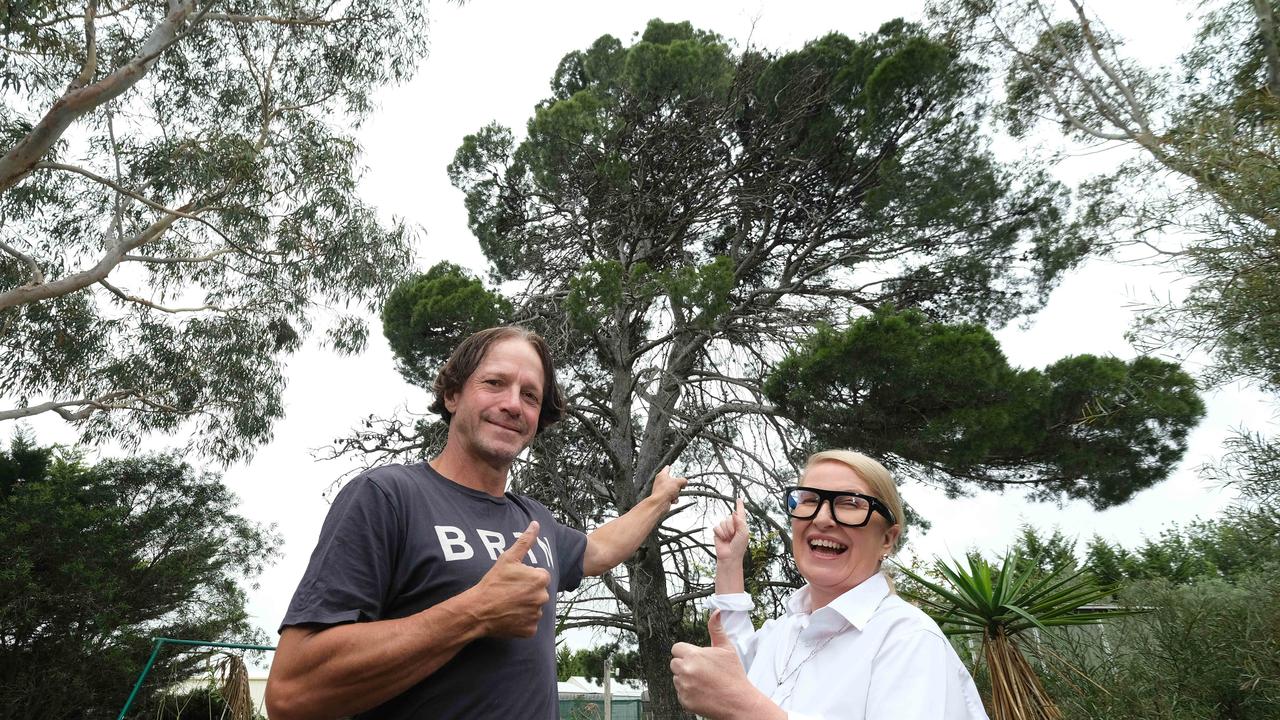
(847, 647)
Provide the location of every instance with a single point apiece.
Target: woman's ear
(891, 538)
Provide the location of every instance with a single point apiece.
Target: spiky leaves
(1002, 603)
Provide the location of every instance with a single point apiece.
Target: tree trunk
(1270, 38)
(655, 630)
(1016, 692)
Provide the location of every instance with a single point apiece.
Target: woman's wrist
(729, 581)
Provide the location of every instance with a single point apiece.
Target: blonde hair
(881, 482)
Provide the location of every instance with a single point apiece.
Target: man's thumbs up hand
(514, 593)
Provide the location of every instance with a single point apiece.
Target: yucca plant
(233, 685)
(1001, 604)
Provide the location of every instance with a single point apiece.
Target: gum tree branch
(76, 103)
(87, 406)
(85, 278)
(147, 303)
(37, 277)
(116, 187)
(90, 48)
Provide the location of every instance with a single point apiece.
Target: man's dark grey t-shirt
(400, 539)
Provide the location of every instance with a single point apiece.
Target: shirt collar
(856, 605)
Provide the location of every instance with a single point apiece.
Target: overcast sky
(493, 60)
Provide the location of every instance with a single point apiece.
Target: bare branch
(109, 13)
(118, 204)
(313, 21)
(87, 406)
(37, 277)
(1135, 108)
(623, 594)
(90, 49)
(115, 186)
(147, 303)
(1067, 114)
(192, 259)
(81, 280)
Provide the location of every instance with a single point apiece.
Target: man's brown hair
(468, 356)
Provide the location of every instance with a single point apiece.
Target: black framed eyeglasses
(850, 509)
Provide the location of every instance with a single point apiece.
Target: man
(416, 603)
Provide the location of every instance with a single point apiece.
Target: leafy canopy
(940, 401)
(178, 206)
(102, 558)
(1201, 194)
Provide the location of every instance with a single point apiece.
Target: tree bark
(655, 630)
(78, 281)
(1267, 31)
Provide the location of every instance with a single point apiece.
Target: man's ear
(451, 401)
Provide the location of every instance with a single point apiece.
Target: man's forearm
(345, 669)
(616, 540)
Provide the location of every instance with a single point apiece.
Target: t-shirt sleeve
(352, 566)
(571, 546)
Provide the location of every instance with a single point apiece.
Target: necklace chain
(789, 672)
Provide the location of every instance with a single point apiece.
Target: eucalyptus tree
(679, 217)
(1201, 190)
(178, 206)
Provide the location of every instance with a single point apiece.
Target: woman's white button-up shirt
(868, 655)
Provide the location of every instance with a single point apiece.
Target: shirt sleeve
(352, 566)
(735, 618)
(911, 678)
(571, 547)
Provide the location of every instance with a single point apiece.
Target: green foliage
(1207, 136)
(942, 398)
(1252, 466)
(424, 316)
(1001, 604)
(206, 223)
(102, 558)
(636, 148)
(1225, 548)
(596, 291)
(1210, 649)
(702, 292)
(589, 663)
(1207, 647)
(1052, 553)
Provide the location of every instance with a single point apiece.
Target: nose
(825, 516)
(510, 403)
